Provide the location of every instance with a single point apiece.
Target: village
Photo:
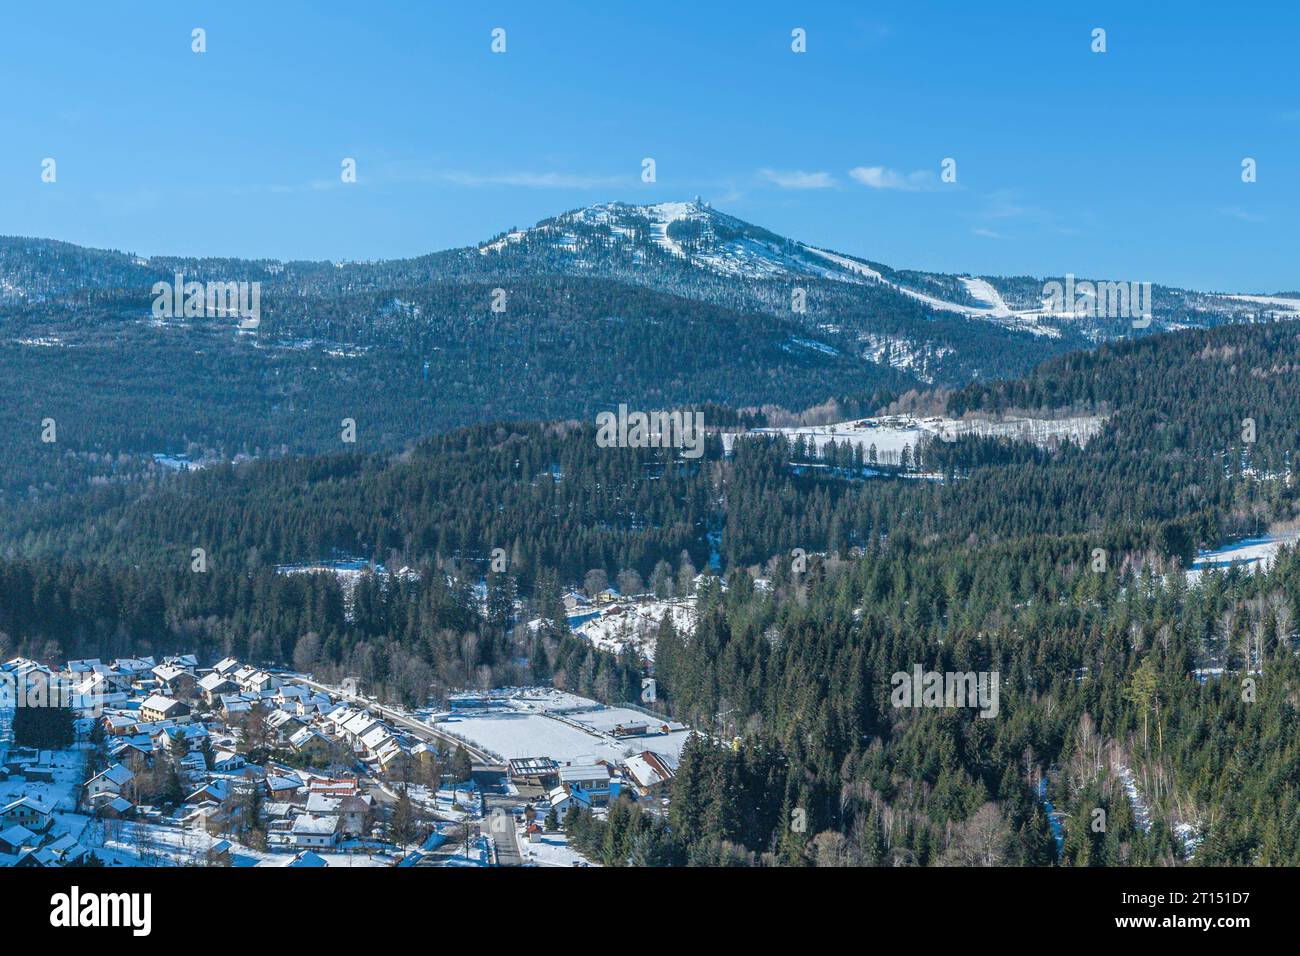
(173, 763)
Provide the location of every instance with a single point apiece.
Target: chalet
(260, 681)
(350, 811)
(562, 801)
(313, 831)
(376, 740)
(359, 724)
(133, 667)
(28, 812)
(288, 695)
(390, 754)
(109, 781)
(114, 808)
(132, 752)
(118, 725)
(637, 728)
(213, 686)
(284, 787)
(42, 858)
(16, 838)
(232, 704)
(310, 743)
(187, 662)
(226, 667)
(192, 734)
(650, 772)
(158, 708)
(284, 722)
(317, 703)
(214, 792)
(278, 811)
(425, 755)
(175, 679)
(227, 761)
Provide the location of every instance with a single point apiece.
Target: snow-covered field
(1250, 554)
(564, 727)
(892, 434)
(513, 734)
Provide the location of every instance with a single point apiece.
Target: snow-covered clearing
(567, 728)
(635, 625)
(1249, 554)
(890, 435)
(551, 849)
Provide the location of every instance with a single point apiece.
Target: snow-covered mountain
(697, 235)
(938, 328)
(686, 244)
(693, 247)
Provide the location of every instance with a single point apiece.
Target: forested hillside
(1171, 707)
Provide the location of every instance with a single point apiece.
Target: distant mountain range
(932, 327)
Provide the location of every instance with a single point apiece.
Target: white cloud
(882, 177)
(798, 179)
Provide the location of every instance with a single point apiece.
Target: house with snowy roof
(307, 859)
(111, 780)
(28, 812)
(310, 742)
(650, 772)
(176, 680)
(315, 831)
(158, 708)
(226, 666)
(213, 686)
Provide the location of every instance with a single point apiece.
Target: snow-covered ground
(564, 727)
(1250, 554)
(512, 734)
(995, 310)
(60, 796)
(1274, 302)
(892, 434)
(635, 625)
(983, 290)
(551, 849)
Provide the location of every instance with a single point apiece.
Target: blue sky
(1125, 164)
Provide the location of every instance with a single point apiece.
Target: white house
(111, 781)
(313, 831)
